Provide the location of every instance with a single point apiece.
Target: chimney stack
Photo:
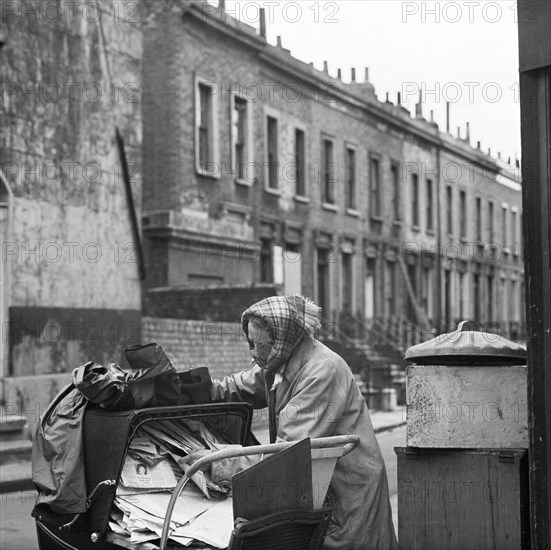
(448, 117)
(326, 67)
(279, 43)
(468, 131)
(419, 106)
(478, 144)
(263, 23)
(458, 132)
(367, 74)
(399, 99)
(353, 74)
(339, 74)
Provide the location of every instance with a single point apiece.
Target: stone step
(15, 451)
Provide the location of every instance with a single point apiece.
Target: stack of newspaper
(154, 463)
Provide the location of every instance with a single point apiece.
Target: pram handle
(348, 442)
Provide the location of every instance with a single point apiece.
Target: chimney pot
(339, 74)
(262, 22)
(448, 117)
(353, 74)
(478, 144)
(367, 74)
(325, 67)
(489, 151)
(459, 132)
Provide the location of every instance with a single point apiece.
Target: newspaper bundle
(154, 463)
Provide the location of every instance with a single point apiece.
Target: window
(300, 163)
(347, 282)
(514, 233)
(462, 295)
(490, 304)
(395, 173)
(272, 150)
(350, 178)
(240, 137)
(449, 210)
(513, 302)
(490, 222)
(323, 280)
(374, 188)
(415, 200)
(266, 261)
(430, 208)
(476, 297)
(390, 284)
(426, 290)
(206, 150)
(447, 297)
(328, 170)
(370, 289)
(292, 269)
(478, 221)
(504, 227)
(462, 214)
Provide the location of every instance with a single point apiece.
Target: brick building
(260, 168)
(251, 171)
(70, 282)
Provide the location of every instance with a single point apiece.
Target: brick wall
(220, 346)
(224, 304)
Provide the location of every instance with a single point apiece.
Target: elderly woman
(311, 392)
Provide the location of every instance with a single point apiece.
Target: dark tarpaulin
(57, 457)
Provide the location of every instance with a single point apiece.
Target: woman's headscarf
(289, 318)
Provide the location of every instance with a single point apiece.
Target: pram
(107, 435)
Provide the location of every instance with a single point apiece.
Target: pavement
(15, 456)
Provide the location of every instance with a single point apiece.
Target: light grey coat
(318, 397)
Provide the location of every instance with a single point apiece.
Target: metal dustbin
(463, 477)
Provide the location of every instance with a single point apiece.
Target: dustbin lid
(467, 345)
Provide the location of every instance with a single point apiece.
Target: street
(17, 529)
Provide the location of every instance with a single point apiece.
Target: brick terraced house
(258, 168)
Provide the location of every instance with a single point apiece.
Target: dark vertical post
(535, 102)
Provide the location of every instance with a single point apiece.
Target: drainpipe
(438, 256)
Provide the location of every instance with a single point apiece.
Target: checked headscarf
(289, 318)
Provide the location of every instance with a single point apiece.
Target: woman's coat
(316, 395)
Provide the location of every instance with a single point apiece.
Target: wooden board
(467, 407)
(280, 482)
(462, 499)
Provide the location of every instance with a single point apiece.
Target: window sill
(353, 212)
(464, 239)
(274, 192)
(397, 223)
(243, 183)
(431, 232)
(375, 218)
(330, 207)
(302, 199)
(416, 228)
(205, 174)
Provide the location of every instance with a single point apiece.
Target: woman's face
(260, 344)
